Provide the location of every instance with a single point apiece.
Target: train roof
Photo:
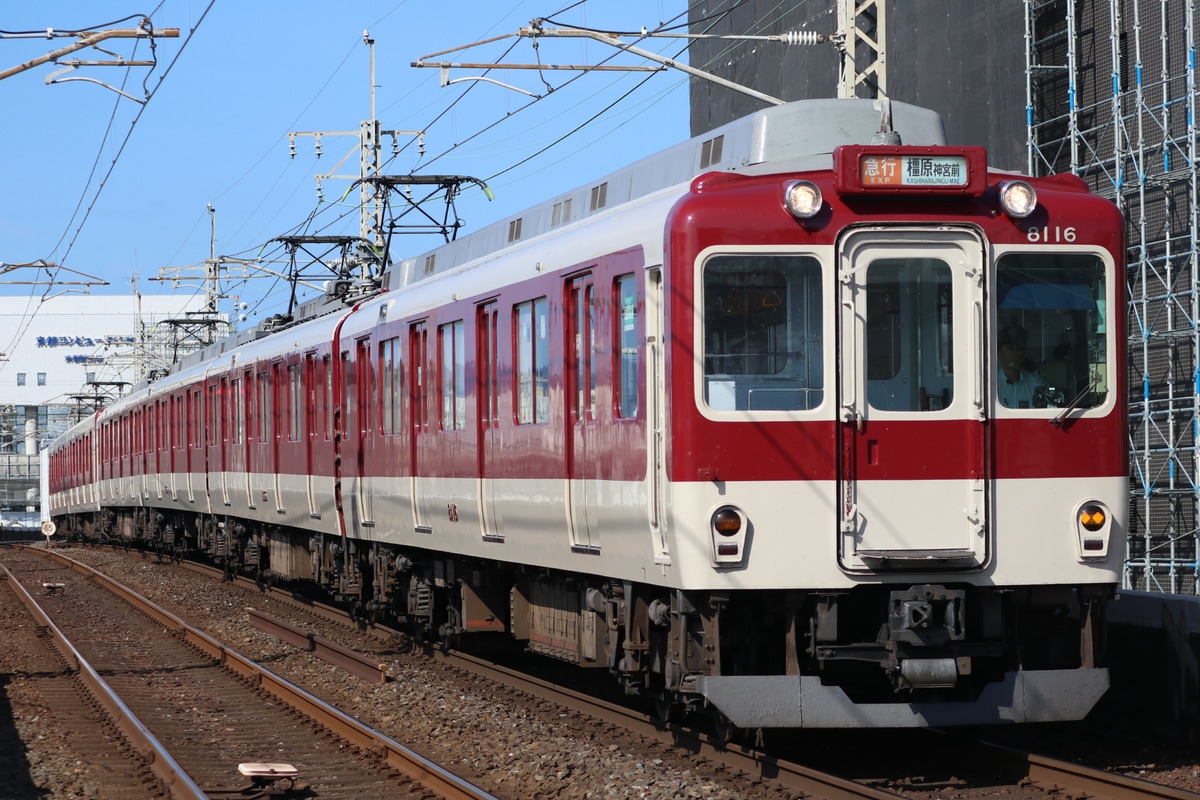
(793, 136)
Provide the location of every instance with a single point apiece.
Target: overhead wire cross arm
(143, 31)
(50, 279)
(450, 186)
(536, 31)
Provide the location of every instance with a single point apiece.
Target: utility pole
(197, 329)
(371, 194)
(862, 37)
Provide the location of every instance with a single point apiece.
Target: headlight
(1018, 199)
(802, 199)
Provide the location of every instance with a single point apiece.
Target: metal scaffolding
(1111, 97)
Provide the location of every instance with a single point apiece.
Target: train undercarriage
(924, 645)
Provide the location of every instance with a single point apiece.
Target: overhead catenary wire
(31, 315)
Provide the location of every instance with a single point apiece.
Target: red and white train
(779, 424)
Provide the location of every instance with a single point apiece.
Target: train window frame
(196, 418)
(326, 382)
(908, 296)
(296, 418)
(367, 394)
(581, 347)
(809, 298)
(249, 404)
(487, 352)
(391, 371)
(262, 397)
(418, 342)
(531, 361)
(451, 371)
(164, 424)
(178, 440)
(239, 410)
(626, 347)
(1002, 317)
(312, 397)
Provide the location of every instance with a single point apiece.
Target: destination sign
(912, 170)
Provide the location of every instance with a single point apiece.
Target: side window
(296, 407)
(239, 411)
(368, 395)
(583, 336)
(391, 369)
(762, 333)
(531, 339)
(416, 363)
(263, 395)
(177, 416)
(214, 415)
(164, 425)
(196, 419)
(487, 389)
(312, 396)
(628, 336)
(327, 396)
(452, 371)
(222, 411)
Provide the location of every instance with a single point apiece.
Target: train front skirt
(791, 701)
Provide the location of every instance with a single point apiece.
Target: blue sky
(86, 191)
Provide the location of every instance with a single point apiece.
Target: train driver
(1016, 383)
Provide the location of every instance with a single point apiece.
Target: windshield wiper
(1077, 402)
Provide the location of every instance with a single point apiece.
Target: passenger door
(581, 444)
(487, 398)
(367, 432)
(422, 440)
(912, 400)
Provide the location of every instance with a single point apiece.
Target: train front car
(897, 462)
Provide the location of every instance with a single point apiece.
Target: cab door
(912, 480)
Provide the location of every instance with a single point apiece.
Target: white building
(65, 357)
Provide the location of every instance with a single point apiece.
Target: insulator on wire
(802, 37)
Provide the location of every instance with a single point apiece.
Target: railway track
(62, 742)
(783, 772)
(221, 724)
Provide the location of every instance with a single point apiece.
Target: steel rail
(395, 755)
(356, 664)
(178, 782)
(1087, 781)
(1040, 769)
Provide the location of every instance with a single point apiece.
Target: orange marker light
(726, 522)
(1092, 518)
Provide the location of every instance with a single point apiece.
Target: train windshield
(909, 334)
(762, 333)
(1051, 343)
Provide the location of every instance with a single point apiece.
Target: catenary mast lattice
(1111, 96)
